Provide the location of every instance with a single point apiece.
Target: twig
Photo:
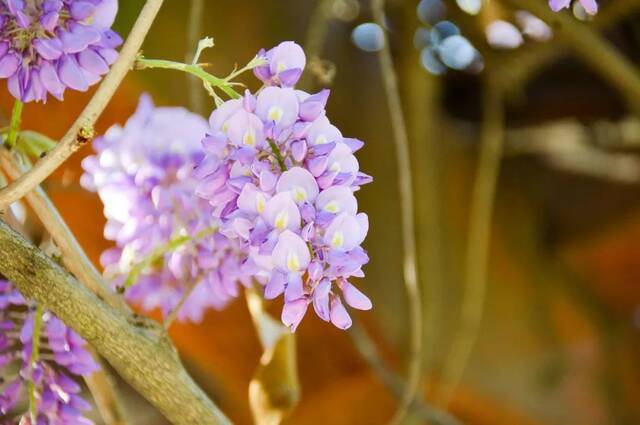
(403, 161)
(481, 210)
(140, 352)
(194, 30)
(591, 48)
(77, 262)
(81, 130)
(193, 69)
(368, 351)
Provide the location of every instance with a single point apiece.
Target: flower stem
(278, 154)
(193, 69)
(35, 351)
(176, 309)
(157, 253)
(14, 127)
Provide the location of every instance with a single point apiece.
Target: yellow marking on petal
(321, 140)
(293, 263)
(282, 219)
(337, 240)
(335, 167)
(275, 114)
(225, 127)
(281, 66)
(299, 194)
(332, 207)
(260, 203)
(249, 137)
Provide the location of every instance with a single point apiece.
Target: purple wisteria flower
(143, 175)
(284, 64)
(590, 6)
(47, 46)
(281, 179)
(61, 359)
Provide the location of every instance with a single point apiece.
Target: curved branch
(405, 187)
(81, 130)
(138, 351)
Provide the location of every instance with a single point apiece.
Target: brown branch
(140, 352)
(81, 130)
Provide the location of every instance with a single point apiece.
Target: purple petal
(71, 75)
(355, 298)
(293, 312)
(9, 64)
(339, 316)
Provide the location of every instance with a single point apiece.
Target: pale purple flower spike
(47, 46)
(281, 179)
(62, 359)
(143, 175)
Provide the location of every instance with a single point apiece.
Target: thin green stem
(35, 352)
(176, 309)
(479, 238)
(14, 126)
(157, 253)
(278, 155)
(193, 69)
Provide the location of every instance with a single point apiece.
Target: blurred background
(559, 340)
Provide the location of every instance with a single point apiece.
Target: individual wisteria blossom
(281, 179)
(143, 175)
(284, 66)
(590, 6)
(61, 359)
(47, 46)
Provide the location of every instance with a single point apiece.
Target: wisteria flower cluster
(281, 179)
(270, 201)
(51, 376)
(143, 174)
(47, 46)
